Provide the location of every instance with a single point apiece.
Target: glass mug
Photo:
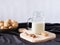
(38, 24)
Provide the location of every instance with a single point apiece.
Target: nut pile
(8, 24)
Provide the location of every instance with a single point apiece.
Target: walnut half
(31, 35)
(44, 33)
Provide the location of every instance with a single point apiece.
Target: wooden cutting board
(39, 38)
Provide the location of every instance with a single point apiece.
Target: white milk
(38, 27)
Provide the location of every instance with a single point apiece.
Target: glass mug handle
(28, 23)
(31, 19)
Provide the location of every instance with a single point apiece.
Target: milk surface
(38, 27)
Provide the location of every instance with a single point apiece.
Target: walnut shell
(13, 21)
(8, 21)
(2, 27)
(1, 24)
(44, 33)
(6, 24)
(14, 25)
(10, 27)
(1, 21)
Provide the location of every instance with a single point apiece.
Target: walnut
(31, 35)
(13, 21)
(44, 33)
(1, 23)
(10, 27)
(8, 21)
(2, 27)
(14, 25)
(6, 24)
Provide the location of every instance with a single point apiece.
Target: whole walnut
(44, 33)
(14, 25)
(13, 21)
(8, 21)
(6, 24)
(10, 27)
(1, 23)
(2, 27)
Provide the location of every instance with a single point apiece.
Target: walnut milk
(38, 24)
(38, 27)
